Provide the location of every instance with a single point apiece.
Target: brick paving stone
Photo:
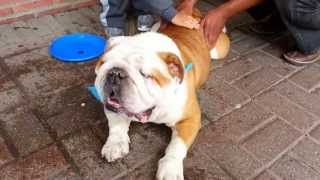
(248, 43)
(307, 152)
(21, 64)
(67, 175)
(87, 70)
(29, 37)
(52, 104)
(5, 155)
(93, 16)
(65, 20)
(96, 9)
(84, 148)
(25, 130)
(76, 116)
(267, 143)
(2, 43)
(51, 23)
(24, 30)
(147, 141)
(42, 75)
(198, 166)
(279, 46)
(218, 98)
(228, 155)
(257, 81)
(232, 56)
(265, 176)
(315, 133)
(235, 35)
(9, 94)
(101, 130)
(2, 73)
(12, 49)
(308, 78)
(240, 122)
(8, 35)
(279, 66)
(39, 27)
(89, 12)
(298, 95)
(281, 106)
(236, 69)
(43, 164)
(289, 168)
(147, 171)
(83, 23)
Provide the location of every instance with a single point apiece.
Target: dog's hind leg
(221, 48)
(117, 145)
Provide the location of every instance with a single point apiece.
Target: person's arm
(216, 18)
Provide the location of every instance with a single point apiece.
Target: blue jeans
(302, 18)
(114, 12)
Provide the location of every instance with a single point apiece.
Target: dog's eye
(144, 75)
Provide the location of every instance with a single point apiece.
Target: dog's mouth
(115, 106)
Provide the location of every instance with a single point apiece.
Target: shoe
(145, 22)
(113, 31)
(269, 26)
(299, 59)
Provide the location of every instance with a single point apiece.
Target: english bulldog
(154, 77)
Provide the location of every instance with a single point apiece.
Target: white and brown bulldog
(153, 77)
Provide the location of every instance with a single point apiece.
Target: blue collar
(188, 67)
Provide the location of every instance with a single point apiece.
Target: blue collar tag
(188, 67)
(93, 91)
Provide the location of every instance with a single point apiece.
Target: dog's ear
(102, 60)
(112, 42)
(174, 64)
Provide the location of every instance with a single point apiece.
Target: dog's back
(193, 48)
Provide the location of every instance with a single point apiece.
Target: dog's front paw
(170, 168)
(115, 148)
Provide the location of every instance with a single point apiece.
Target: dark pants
(301, 17)
(114, 12)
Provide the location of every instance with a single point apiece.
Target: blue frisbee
(77, 47)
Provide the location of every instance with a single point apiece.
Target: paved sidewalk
(261, 116)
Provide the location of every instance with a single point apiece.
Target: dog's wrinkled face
(136, 82)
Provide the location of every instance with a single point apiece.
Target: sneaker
(113, 31)
(299, 59)
(145, 22)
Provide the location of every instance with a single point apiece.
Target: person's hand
(184, 20)
(213, 24)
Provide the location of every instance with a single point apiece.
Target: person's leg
(302, 18)
(262, 11)
(268, 21)
(113, 16)
(163, 8)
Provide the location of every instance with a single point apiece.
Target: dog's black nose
(114, 78)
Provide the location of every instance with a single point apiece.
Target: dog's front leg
(117, 145)
(183, 134)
